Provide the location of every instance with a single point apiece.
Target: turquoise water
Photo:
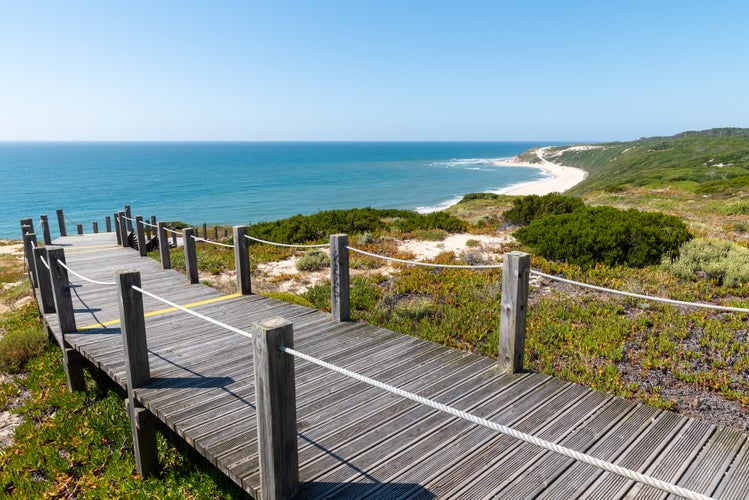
(242, 183)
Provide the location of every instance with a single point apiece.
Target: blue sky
(378, 70)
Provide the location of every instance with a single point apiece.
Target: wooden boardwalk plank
(357, 441)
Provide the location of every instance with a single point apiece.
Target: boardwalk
(356, 441)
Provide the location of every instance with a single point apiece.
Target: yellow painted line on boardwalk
(164, 311)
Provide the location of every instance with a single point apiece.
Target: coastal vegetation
(679, 229)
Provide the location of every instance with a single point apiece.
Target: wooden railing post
(215, 233)
(117, 231)
(29, 243)
(45, 230)
(191, 256)
(339, 277)
(242, 260)
(123, 229)
(129, 215)
(61, 289)
(72, 359)
(166, 262)
(79, 227)
(108, 223)
(138, 371)
(61, 222)
(514, 305)
(275, 396)
(141, 235)
(205, 231)
(95, 227)
(27, 226)
(45, 283)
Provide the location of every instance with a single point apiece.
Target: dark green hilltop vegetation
(713, 161)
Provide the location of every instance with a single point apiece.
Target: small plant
(365, 239)
(314, 260)
(473, 243)
(415, 309)
(17, 347)
(725, 262)
(431, 235)
(289, 297)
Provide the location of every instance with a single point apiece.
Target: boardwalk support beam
(166, 262)
(276, 409)
(108, 223)
(514, 305)
(191, 255)
(138, 371)
(242, 260)
(339, 277)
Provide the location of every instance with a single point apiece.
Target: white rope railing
(172, 231)
(127, 218)
(548, 445)
(149, 225)
(46, 264)
(322, 245)
(425, 264)
(640, 296)
(197, 238)
(108, 283)
(69, 219)
(193, 313)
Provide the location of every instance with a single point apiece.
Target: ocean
(243, 182)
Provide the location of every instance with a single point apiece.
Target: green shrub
(18, 346)
(415, 309)
(606, 235)
(430, 234)
(289, 297)
(303, 228)
(365, 239)
(723, 261)
(314, 260)
(480, 196)
(528, 208)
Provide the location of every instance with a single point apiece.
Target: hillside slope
(712, 161)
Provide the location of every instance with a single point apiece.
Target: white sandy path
(561, 178)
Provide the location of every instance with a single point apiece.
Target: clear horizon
(333, 71)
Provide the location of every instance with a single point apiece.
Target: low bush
(17, 347)
(723, 261)
(303, 228)
(21, 338)
(314, 260)
(528, 208)
(289, 297)
(606, 235)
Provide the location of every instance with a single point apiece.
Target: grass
(75, 445)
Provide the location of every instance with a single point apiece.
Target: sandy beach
(560, 178)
